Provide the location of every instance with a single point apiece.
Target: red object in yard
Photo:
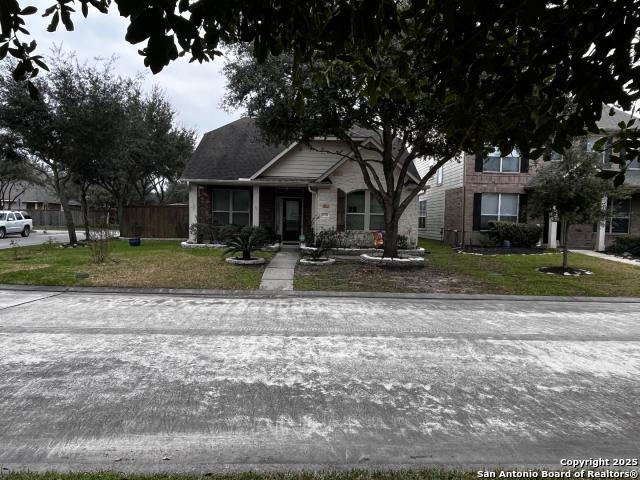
(378, 239)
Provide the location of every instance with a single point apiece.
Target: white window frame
(611, 216)
(231, 210)
(500, 207)
(440, 176)
(422, 212)
(367, 211)
(501, 168)
(590, 142)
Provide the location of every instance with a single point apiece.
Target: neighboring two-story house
(470, 191)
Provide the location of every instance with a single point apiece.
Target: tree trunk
(85, 212)
(390, 238)
(246, 254)
(565, 247)
(68, 216)
(120, 209)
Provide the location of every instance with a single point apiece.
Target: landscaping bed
(446, 271)
(351, 275)
(503, 250)
(155, 263)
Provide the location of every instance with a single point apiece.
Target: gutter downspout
(314, 203)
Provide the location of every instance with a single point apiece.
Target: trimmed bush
(625, 243)
(522, 235)
(202, 232)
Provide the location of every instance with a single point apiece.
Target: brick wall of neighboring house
(634, 221)
(453, 215)
(483, 182)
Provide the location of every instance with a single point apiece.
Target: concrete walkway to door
(279, 273)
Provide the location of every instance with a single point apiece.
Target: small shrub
(246, 240)
(625, 243)
(201, 231)
(403, 242)
(323, 241)
(519, 234)
(99, 245)
(225, 233)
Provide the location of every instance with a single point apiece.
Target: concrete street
(185, 383)
(38, 238)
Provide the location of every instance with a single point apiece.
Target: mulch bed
(570, 272)
(502, 250)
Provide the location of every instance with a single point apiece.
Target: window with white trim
(439, 176)
(231, 207)
(498, 207)
(495, 162)
(618, 215)
(364, 211)
(422, 214)
(589, 147)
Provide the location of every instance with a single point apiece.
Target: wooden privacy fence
(55, 218)
(155, 221)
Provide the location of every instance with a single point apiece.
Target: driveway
(184, 383)
(38, 238)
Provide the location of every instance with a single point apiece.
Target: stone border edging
(318, 263)
(240, 261)
(359, 251)
(393, 262)
(201, 292)
(268, 248)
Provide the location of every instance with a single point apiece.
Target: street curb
(196, 292)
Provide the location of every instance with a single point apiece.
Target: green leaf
(85, 9)
(28, 10)
(40, 63)
(4, 49)
(54, 22)
(20, 70)
(143, 26)
(66, 19)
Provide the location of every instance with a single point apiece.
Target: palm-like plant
(247, 240)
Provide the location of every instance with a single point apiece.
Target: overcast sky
(194, 90)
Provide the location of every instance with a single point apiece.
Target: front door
(292, 221)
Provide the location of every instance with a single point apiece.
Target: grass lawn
(155, 263)
(424, 474)
(449, 272)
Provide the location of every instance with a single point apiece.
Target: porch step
(279, 272)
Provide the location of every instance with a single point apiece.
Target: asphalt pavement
(37, 238)
(150, 383)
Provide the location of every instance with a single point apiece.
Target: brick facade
(453, 218)
(268, 207)
(488, 182)
(580, 236)
(205, 205)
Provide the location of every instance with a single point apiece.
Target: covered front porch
(286, 211)
(623, 218)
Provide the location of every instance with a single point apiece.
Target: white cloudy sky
(194, 90)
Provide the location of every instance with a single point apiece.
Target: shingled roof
(233, 151)
(237, 150)
(610, 122)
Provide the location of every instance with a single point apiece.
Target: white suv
(15, 222)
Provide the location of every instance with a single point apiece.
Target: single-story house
(235, 177)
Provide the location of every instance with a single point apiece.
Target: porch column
(600, 243)
(255, 216)
(193, 208)
(552, 241)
